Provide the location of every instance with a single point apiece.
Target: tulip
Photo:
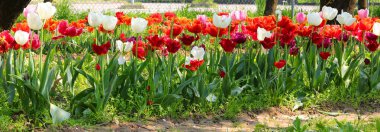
(222, 74)
(102, 49)
(238, 15)
(109, 23)
(329, 13)
(221, 21)
(262, 34)
(376, 29)
(301, 17)
(345, 19)
(28, 10)
(21, 37)
(280, 64)
(97, 67)
(124, 47)
(324, 55)
(314, 19)
(95, 19)
(228, 45)
(58, 115)
(138, 25)
(202, 18)
(34, 21)
(239, 37)
(363, 13)
(46, 10)
(198, 53)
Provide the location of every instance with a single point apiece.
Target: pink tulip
(301, 17)
(28, 10)
(363, 13)
(202, 18)
(238, 15)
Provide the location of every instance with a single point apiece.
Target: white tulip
(58, 115)
(376, 28)
(279, 15)
(109, 23)
(262, 34)
(95, 19)
(124, 47)
(221, 21)
(121, 60)
(314, 19)
(21, 37)
(138, 25)
(198, 52)
(345, 19)
(34, 21)
(46, 10)
(329, 13)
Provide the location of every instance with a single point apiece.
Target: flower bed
(164, 61)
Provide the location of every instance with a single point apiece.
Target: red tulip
(172, 45)
(280, 64)
(222, 74)
(177, 29)
(187, 39)
(71, 31)
(170, 15)
(239, 38)
(6, 41)
(194, 64)
(138, 50)
(102, 49)
(228, 45)
(372, 46)
(324, 55)
(195, 27)
(97, 67)
(268, 43)
(156, 42)
(367, 61)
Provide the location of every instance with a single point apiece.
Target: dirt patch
(275, 117)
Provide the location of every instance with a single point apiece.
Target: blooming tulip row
(176, 59)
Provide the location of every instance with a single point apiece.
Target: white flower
(279, 15)
(121, 60)
(46, 10)
(329, 13)
(211, 98)
(138, 25)
(21, 37)
(376, 28)
(345, 19)
(187, 61)
(262, 34)
(198, 52)
(221, 21)
(95, 19)
(109, 23)
(58, 115)
(34, 21)
(124, 47)
(314, 19)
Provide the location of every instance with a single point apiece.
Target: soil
(275, 117)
